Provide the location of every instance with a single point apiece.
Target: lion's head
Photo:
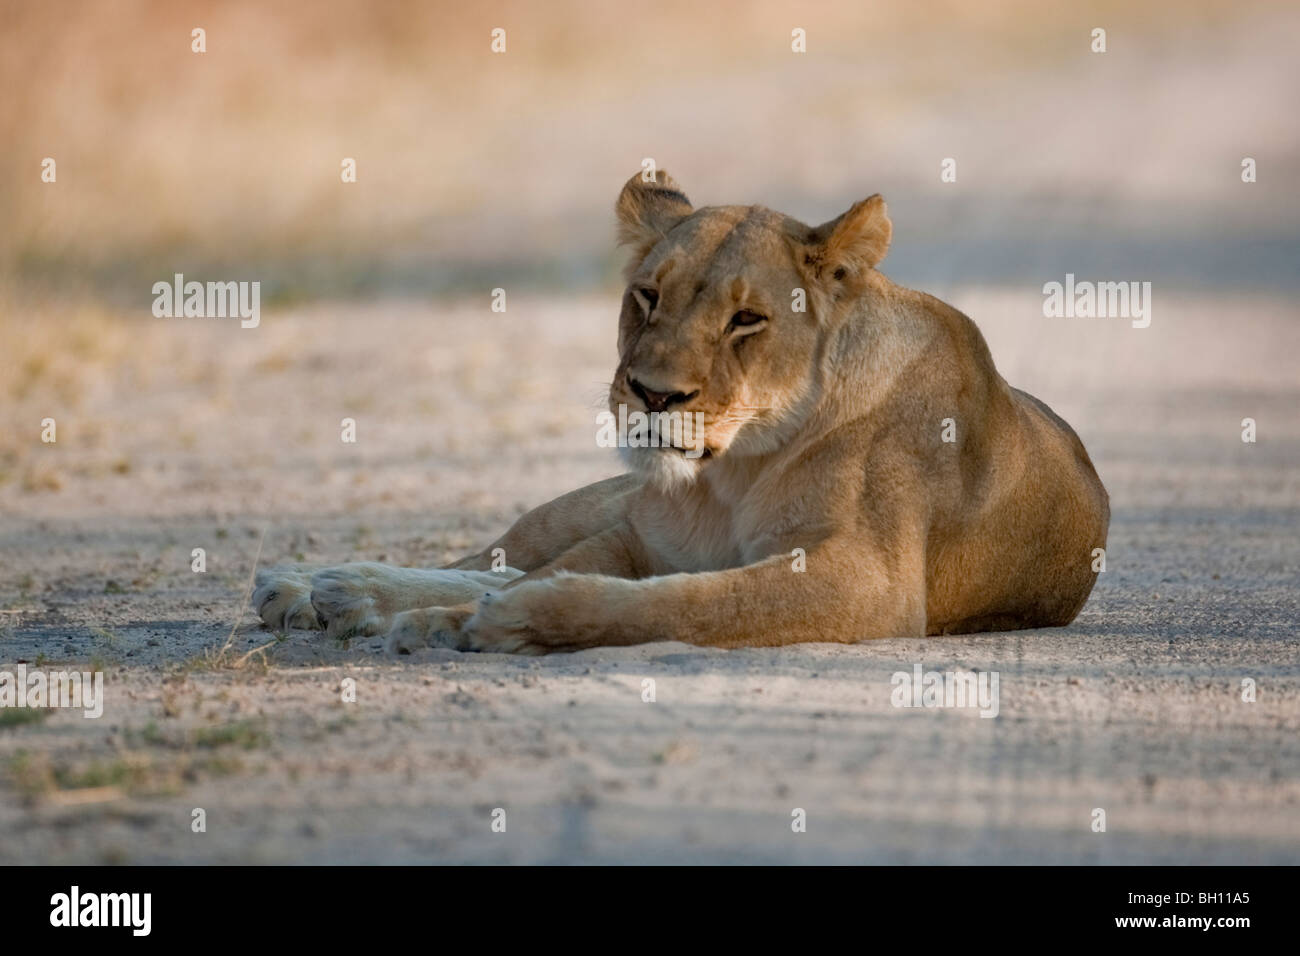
(724, 318)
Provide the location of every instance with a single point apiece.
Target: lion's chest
(697, 533)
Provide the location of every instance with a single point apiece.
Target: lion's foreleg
(363, 598)
(548, 531)
(841, 595)
(615, 552)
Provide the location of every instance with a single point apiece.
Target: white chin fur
(665, 470)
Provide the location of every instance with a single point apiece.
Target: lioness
(864, 471)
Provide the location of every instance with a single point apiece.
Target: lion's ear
(858, 239)
(649, 205)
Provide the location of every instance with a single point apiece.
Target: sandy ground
(175, 435)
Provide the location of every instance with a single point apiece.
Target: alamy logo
(103, 909)
(84, 690)
(215, 300)
(946, 689)
(638, 429)
(1102, 300)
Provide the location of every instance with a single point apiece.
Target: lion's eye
(649, 299)
(747, 319)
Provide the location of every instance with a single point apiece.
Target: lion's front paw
(510, 621)
(349, 600)
(282, 597)
(567, 612)
(428, 627)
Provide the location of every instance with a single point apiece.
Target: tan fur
(824, 449)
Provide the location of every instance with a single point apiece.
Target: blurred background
(477, 168)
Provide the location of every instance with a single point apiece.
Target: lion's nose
(658, 401)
